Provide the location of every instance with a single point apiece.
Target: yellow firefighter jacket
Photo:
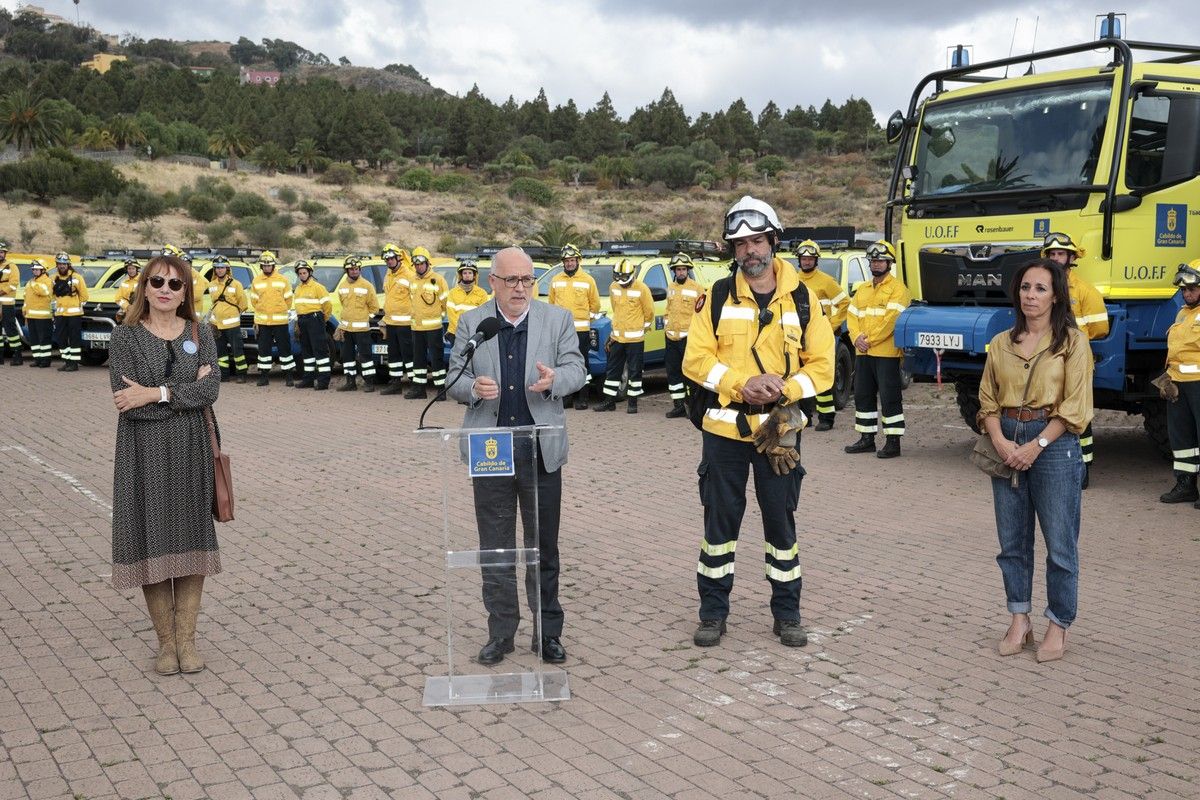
(461, 300)
(834, 301)
(38, 294)
(359, 304)
(578, 294)
(311, 296)
(397, 302)
(125, 291)
(228, 302)
(873, 311)
(1088, 306)
(272, 297)
(724, 359)
(681, 305)
(632, 311)
(1183, 345)
(70, 305)
(199, 290)
(10, 279)
(429, 294)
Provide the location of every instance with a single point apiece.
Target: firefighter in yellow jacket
(1091, 316)
(359, 304)
(575, 290)
(465, 295)
(396, 323)
(127, 287)
(313, 307)
(683, 295)
(199, 283)
(871, 321)
(1182, 391)
(39, 292)
(70, 293)
(229, 300)
(271, 295)
(632, 316)
(834, 302)
(429, 294)
(10, 330)
(764, 352)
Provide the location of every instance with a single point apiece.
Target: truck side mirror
(895, 127)
(1123, 202)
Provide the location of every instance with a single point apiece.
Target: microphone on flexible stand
(488, 328)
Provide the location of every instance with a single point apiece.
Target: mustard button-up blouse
(1061, 382)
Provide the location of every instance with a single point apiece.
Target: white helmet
(750, 217)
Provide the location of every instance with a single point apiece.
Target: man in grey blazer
(519, 377)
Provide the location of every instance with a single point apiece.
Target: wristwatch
(164, 398)
(1043, 442)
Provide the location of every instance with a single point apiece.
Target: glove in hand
(779, 429)
(783, 459)
(1167, 389)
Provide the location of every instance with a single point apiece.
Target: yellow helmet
(420, 254)
(267, 257)
(1060, 241)
(570, 251)
(681, 260)
(390, 251)
(882, 251)
(1188, 274)
(37, 263)
(808, 248)
(172, 250)
(352, 262)
(623, 272)
(62, 258)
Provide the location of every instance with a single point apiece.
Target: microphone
(488, 328)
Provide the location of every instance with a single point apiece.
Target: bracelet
(162, 395)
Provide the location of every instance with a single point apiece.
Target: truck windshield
(1039, 137)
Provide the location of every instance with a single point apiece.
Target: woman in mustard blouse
(1040, 439)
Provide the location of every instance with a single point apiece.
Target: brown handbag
(222, 502)
(985, 456)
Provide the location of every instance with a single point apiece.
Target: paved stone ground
(320, 633)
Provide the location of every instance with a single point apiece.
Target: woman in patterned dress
(163, 536)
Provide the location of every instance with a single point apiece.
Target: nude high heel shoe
(1008, 649)
(1045, 654)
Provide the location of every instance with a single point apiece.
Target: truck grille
(978, 274)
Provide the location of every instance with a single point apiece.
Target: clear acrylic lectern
(488, 478)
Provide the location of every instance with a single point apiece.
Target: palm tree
(125, 131)
(556, 233)
(229, 142)
(28, 122)
(95, 139)
(271, 157)
(306, 153)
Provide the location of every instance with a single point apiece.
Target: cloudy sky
(709, 53)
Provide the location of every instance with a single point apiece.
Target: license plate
(379, 349)
(940, 341)
(97, 336)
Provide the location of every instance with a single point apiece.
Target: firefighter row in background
(53, 310)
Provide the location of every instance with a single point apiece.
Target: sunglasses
(511, 281)
(175, 284)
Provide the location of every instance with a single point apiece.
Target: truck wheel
(968, 402)
(1154, 420)
(843, 376)
(94, 358)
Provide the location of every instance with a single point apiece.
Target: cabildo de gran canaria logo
(491, 447)
(1170, 229)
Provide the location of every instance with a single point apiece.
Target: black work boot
(678, 409)
(17, 360)
(890, 449)
(709, 632)
(306, 382)
(368, 385)
(609, 404)
(790, 633)
(393, 387)
(568, 401)
(865, 444)
(415, 392)
(825, 424)
(289, 381)
(349, 386)
(322, 383)
(69, 366)
(581, 399)
(263, 380)
(239, 377)
(1184, 490)
(631, 408)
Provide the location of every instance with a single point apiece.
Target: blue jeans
(1051, 489)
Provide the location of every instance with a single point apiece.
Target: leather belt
(1025, 414)
(312, 314)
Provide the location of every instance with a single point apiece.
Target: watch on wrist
(163, 399)
(1043, 442)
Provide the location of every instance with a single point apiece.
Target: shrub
(312, 208)
(346, 236)
(265, 231)
(380, 214)
(219, 234)
(136, 203)
(339, 173)
(319, 235)
(288, 196)
(203, 207)
(14, 196)
(61, 204)
(772, 165)
(26, 236)
(73, 226)
(103, 204)
(450, 182)
(244, 205)
(77, 245)
(214, 187)
(417, 179)
(672, 166)
(56, 172)
(531, 190)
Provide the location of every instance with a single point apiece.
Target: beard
(754, 265)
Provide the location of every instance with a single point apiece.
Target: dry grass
(843, 189)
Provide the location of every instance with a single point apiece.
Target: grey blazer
(552, 340)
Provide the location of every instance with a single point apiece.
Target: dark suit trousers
(496, 501)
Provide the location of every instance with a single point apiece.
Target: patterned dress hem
(160, 568)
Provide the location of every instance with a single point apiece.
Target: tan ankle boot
(187, 608)
(161, 605)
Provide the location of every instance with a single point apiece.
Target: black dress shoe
(552, 650)
(493, 652)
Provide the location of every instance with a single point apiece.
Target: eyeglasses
(511, 281)
(756, 221)
(157, 282)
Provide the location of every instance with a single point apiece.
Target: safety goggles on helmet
(3, 247)
(468, 266)
(747, 222)
(1057, 241)
(420, 260)
(62, 258)
(881, 251)
(1187, 276)
(390, 254)
(570, 251)
(807, 249)
(681, 260)
(352, 263)
(132, 262)
(172, 250)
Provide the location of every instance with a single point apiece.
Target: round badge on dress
(190, 347)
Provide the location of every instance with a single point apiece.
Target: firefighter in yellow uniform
(10, 330)
(39, 292)
(683, 295)
(127, 287)
(632, 316)
(70, 293)
(199, 283)
(1091, 316)
(271, 295)
(760, 349)
(465, 295)
(1182, 393)
(575, 290)
(229, 300)
(834, 302)
(872, 324)
(313, 307)
(429, 294)
(359, 304)
(396, 323)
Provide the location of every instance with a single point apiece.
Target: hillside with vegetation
(344, 156)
